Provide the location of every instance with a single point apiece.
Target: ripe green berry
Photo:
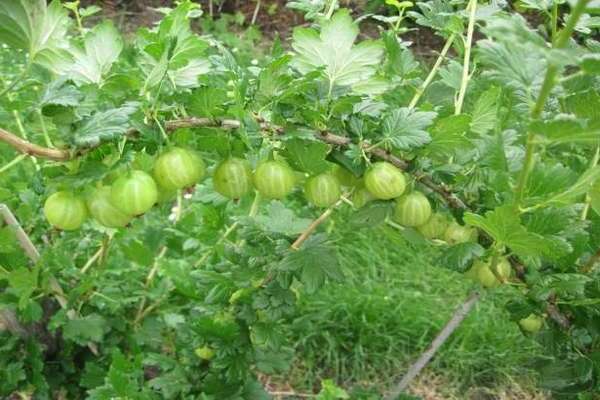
(482, 272)
(100, 205)
(532, 323)
(361, 196)
(65, 210)
(323, 190)
(233, 178)
(345, 177)
(134, 193)
(456, 233)
(412, 209)
(435, 226)
(179, 168)
(274, 179)
(385, 181)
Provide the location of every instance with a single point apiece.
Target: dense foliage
(170, 183)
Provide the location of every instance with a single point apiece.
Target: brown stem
(459, 315)
(556, 315)
(313, 226)
(32, 149)
(589, 265)
(194, 122)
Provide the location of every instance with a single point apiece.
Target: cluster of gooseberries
(136, 192)
(132, 194)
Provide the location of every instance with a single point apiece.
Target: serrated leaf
(23, 282)
(333, 49)
(485, 112)
(105, 125)
(460, 257)
(436, 14)
(584, 104)
(102, 47)
(39, 29)
(504, 226)
(579, 188)
(404, 128)
(307, 155)
(372, 214)
(448, 136)
(559, 226)
(60, 93)
(85, 329)
(174, 51)
(315, 262)
(280, 219)
(566, 128)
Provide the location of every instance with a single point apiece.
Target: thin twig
(314, 225)
(255, 14)
(252, 213)
(13, 162)
(436, 66)
(459, 315)
(467, 59)
(141, 312)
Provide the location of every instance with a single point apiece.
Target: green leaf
(401, 61)
(485, 112)
(102, 47)
(38, 29)
(567, 376)
(579, 188)
(448, 136)
(460, 257)
(584, 104)
(85, 329)
(59, 93)
(330, 391)
(372, 214)
(504, 226)
(559, 225)
(313, 263)
(567, 129)
(307, 155)
(590, 63)
(105, 125)
(547, 180)
(23, 282)
(344, 63)
(280, 219)
(404, 128)
(174, 51)
(437, 14)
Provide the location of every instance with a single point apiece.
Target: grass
(364, 332)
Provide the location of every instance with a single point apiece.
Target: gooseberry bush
(170, 184)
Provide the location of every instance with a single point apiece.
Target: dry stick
(459, 315)
(255, 14)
